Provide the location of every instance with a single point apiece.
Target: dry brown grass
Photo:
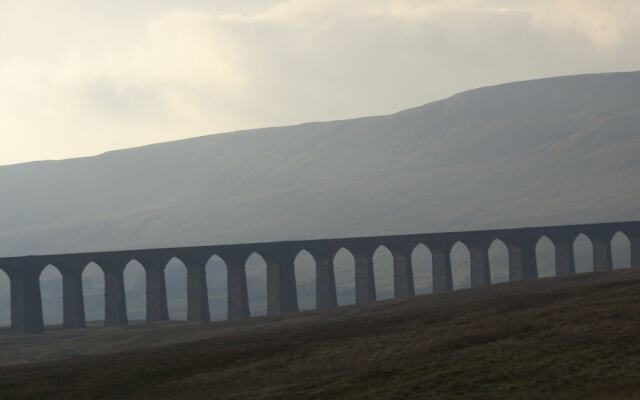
(575, 338)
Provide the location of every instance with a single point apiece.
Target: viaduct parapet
(26, 302)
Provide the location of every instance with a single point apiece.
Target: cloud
(80, 79)
(603, 23)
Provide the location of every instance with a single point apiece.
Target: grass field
(575, 338)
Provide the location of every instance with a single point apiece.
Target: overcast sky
(82, 77)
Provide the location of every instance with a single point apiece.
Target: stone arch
(583, 253)
(175, 275)
(5, 299)
(460, 265)
(135, 287)
(256, 267)
(344, 264)
(621, 250)
(499, 261)
(216, 272)
(93, 293)
(305, 270)
(545, 257)
(51, 295)
(422, 262)
(383, 272)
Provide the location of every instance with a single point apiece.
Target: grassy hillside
(574, 338)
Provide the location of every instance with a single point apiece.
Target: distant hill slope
(550, 151)
(572, 338)
(559, 150)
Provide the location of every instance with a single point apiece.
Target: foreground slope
(568, 338)
(549, 151)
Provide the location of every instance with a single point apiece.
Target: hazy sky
(81, 77)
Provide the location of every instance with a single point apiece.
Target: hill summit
(559, 150)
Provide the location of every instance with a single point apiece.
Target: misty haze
(292, 199)
(553, 151)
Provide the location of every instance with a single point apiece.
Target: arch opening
(305, 268)
(545, 257)
(216, 271)
(135, 287)
(5, 300)
(383, 272)
(499, 261)
(51, 294)
(175, 275)
(93, 293)
(256, 268)
(422, 263)
(621, 250)
(460, 266)
(583, 253)
(344, 265)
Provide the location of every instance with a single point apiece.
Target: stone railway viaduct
(26, 302)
